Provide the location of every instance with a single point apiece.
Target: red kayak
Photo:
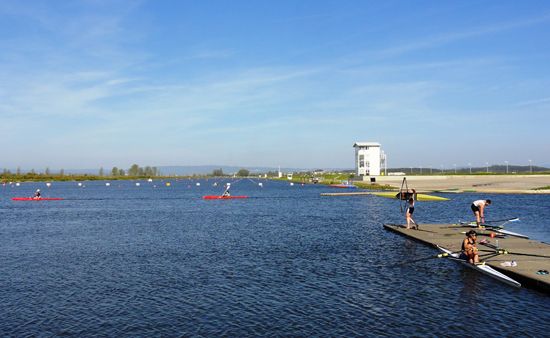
(36, 199)
(217, 197)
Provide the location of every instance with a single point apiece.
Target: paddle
(417, 225)
(226, 192)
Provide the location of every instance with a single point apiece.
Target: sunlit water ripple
(160, 261)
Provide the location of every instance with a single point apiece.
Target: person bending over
(478, 207)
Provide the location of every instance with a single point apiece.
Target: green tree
(121, 172)
(115, 171)
(47, 171)
(243, 173)
(217, 172)
(134, 170)
(101, 172)
(62, 172)
(18, 172)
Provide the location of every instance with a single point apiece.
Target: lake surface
(152, 260)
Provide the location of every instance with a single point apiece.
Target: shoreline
(497, 184)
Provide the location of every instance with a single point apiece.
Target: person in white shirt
(478, 207)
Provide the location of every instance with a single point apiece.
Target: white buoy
(291, 184)
(137, 184)
(261, 184)
(108, 184)
(17, 184)
(79, 184)
(150, 180)
(48, 184)
(198, 184)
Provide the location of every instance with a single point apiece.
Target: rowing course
(450, 236)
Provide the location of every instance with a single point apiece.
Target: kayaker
(478, 207)
(469, 248)
(226, 192)
(36, 194)
(408, 214)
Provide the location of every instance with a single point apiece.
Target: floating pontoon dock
(532, 257)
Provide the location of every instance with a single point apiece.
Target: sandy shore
(513, 184)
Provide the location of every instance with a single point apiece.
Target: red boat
(217, 197)
(36, 199)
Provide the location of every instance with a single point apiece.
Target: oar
(472, 223)
(506, 252)
(440, 255)
(504, 220)
(497, 234)
(500, 251)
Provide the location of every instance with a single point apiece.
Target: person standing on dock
(478, 207)
(408, 214)
(469, 248)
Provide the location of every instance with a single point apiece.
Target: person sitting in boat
(406, 195)
(226, 192)
(478, 207)
(408, 214)
(469, 248)
(36, 194)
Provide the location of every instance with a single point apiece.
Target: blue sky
(85, 84)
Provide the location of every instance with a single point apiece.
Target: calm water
(160, 261)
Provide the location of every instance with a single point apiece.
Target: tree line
(134, 171)
(220, 173)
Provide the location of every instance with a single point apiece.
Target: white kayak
(483, 268)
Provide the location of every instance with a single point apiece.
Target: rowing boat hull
(497, 229)
(36, 199)
(483, 268)
(343, 186)
(419, 197)
(215, 197)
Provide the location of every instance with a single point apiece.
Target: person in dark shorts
(478, 208)
(408, 214)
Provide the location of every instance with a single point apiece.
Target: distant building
(369, 159)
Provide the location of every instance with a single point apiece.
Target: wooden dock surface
(529, 270)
